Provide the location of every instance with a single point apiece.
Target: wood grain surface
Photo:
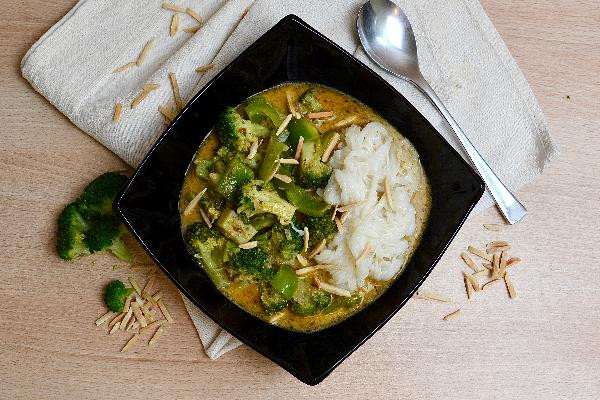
(543, 345)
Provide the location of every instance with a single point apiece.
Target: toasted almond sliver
(248, 245)
(131, 323)
(513, 261)
(135, 285)
(299, 148)
(345, 121)
(495, 266)
(117, 319)
(368, 248)
(344, 217)
(156, 336)
(117, 112)
(502, 267)
(150, 86)
(482, 272)
(130, 343)
(291, 161)
(348, 207)
(479, 253)
(490, 283)
(205, 68)
(126, 319)
(319, 115)
(306, 270)
(176, 94)
(306, 238)
(470, 262)
(152, 325)
(276, 317)
(167, 112)
(330, 147)
(137, 311)
(388, 193)
(334, 214)
(498, 243)
(139, 300)
(148, 287)
(139, 98)
(500, 249)
(509, 287)
(302, 260)
(194, 15)
(253, 150)
(164, 310)
(173, 7)
(192, 204)
(144, 52)
(333, 289)
(115, 328)
(205, 217)
(174, 25)
(192, 30)
(468, 287)
(128, 303)
(290, 103)
(284, 124)
(435, 296)
(318, 249)
(125, 67)
(156, 296)
(338, 223)
(452, 315)
(487, 266)
(473, 281)
(282, 178)
(104, 318)
(492, 227)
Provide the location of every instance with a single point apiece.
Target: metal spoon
(388, 38)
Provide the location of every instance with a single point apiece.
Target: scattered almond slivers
(156, 336)
(284, 124)
(317, 249)
(348, 207)
(248, 245)
(144, 52)
(306, 270)
(126, 319)
(330, 147)
(194, 15)
(452, 315)
(299, 148)
(332, 289)
(130, 343)
(302, 260)
(468, 287)
(205, 217)
(490, 283)
(473, 281)
(306, 238)
(434, 296)
(137, 311)
(513, 261)
(291, 161)
(115, 328)
(125, 67)
(147, 89)
(173, 7)
(151, 326)
(368, 248)
(253, 150)
(168, 113)
(204, 68)
(117, 319)
(388, 193)
(192, 204)
(104, 318)
(319, 115)
(164, 310)
(176, 93)
(174, 25)
(345, 121)
(290, 103)
(492, 227)
(479, 253)
(117, 112)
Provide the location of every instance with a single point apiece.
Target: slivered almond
(131, 323)
(130, 343)
(249, 245)
(144, 52)
(192, 204)
(205, 217)
(192, 30)
(345, 121)
(492, 227)
(291, 161)
(502, 267)
(150, 86)
(299, 148)
(334, 214)
(253, 150)
(138, 315)
(348, 207)
(479, 253)
(115, 328)
(509, 287)
(368, 248)
(117, 112)
(173, 7)
(338, 223)
(156, 296)
(495, 266)
(168, 113)
(156, 336)
(435, 296)
(127, 303)
(148, 287)
(332, 289)
(126, 319)
(139, 300)
(117, 319)
(134, 326)
(306, 238)
(302, 260)
(487, 266)
(282, 178)
(513, 261)
(284, 124)
(473, 281)
(174, 25)
(330, 147)
(205, 68)
(318, 249)
(469, 261)
(482, 272)
(290, 103)
(388, 193)
(125, 67)
(452, 315)
(152, 325)
(344, 217)
(176, 94)
(164, 310)
(490, 283)
(498, 243)
(139, 98)
(319, 115)
(193, 14)
(468, 287)
(104, 318)
(306, 270)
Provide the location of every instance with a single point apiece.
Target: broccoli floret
(212, 203)
(253, 262)
(272, 300)
(98, 196)
(106, 234)
(71, 228)
(203, 168)
(238, 133)
(115, 295)
(207, 245)
(320, 228)
(308, 300)
(286, 242)
(258, 198)
(314, 173)
(308, 101)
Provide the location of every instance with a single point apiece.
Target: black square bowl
(292, 51)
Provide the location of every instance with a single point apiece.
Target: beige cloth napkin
(462, 56)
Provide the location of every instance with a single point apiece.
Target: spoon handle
(508, 204)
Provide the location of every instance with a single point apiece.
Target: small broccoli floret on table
(207, 245)
(71, 233)
(309, 102)
(237, 133)
(308, 300)
(98, 196)
(314, 173)
(115, 295)
(257, 199)
(105, 234)
(320, 228)
(253, 262)
(272, 300)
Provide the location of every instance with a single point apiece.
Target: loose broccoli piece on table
(272, 301)
(253, 262)
(320, 228)
(212, 203)
(237, 133)
(314, 173)
(98, 196)
(308, 101)
(308, 300)
(257, 199)
(71, 228)
(115, 295)
(106, 234)
(207, 244)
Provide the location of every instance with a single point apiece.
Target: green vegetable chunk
(212, 203)
(232, 180)
(203, 168)
(320, 228)
(232, 226)
(258, 198)
(308, 300)
(285, 281)
(260, 111)
(273, 153)
(352, 301)
(302, 127)
(314, 173)
(71, 229)
(306, 202)
(272, 301)
(207, 246)
(115, 295)
(263, 221)
(253, 262)
(106, 234)
(308, 101)
(98, 196)
(237, 133)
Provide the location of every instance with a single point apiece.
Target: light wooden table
(545, 344)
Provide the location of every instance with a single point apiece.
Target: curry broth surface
(247, 296)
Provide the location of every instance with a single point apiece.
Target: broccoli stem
(213, 268)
